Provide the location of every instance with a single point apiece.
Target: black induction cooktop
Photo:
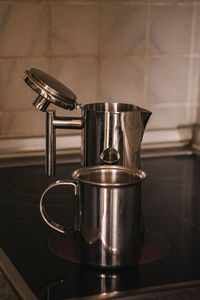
(45, 259)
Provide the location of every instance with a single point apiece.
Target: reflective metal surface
(111, 132)
(109, 176)
(49, 89)
(115, 126)
(90, 279)
(53, 123)
(109, 223)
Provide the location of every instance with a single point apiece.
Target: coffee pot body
(111, 133)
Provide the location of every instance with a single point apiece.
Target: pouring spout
(145, 115)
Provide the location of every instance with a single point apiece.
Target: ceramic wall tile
(25, 1)
(192, 112)
(79, 74)
(142, 2)
(167, 117)
(170, 29)
(24, 29)
(31, 123)
(0, 123)
(170, 2)
(195, 81)
(167, 80)
(75, 29)
(123, 30)
(77, 2)
(198, 117)
(197, 31)
(193, 108)
(1, 87)
(124, 2)
(99, 49)
(122, 80)
(16, 95)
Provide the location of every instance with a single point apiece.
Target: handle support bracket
(52, 123)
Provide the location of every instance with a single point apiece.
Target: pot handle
(43, 212)
(52, 123)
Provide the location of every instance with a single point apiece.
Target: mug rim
(140, 174)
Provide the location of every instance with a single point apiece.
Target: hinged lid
(50, 90)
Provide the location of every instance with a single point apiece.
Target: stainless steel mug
(109, 225)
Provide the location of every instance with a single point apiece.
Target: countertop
(13, 286)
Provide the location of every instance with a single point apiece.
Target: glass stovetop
(171, 208)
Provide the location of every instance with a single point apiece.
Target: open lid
(50, 90)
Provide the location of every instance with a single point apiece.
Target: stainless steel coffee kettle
(111, 133)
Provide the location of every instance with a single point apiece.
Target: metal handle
(43, 212)
(53, 122)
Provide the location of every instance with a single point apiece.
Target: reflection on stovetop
(171, 208)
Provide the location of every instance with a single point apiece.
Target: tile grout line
(161, 56)
(191, 65)
(32, 2)
(49, 51)
(99, 56)
(110, 3)
(146, 79)
(78, 3)
(161, 105)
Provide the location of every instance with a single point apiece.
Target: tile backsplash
(144, 52)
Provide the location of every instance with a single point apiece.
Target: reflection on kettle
(109, 156)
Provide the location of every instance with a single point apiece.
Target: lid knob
(50, 90)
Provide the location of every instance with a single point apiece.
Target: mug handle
(43, 212)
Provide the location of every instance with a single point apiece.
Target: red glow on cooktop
(155, 247)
